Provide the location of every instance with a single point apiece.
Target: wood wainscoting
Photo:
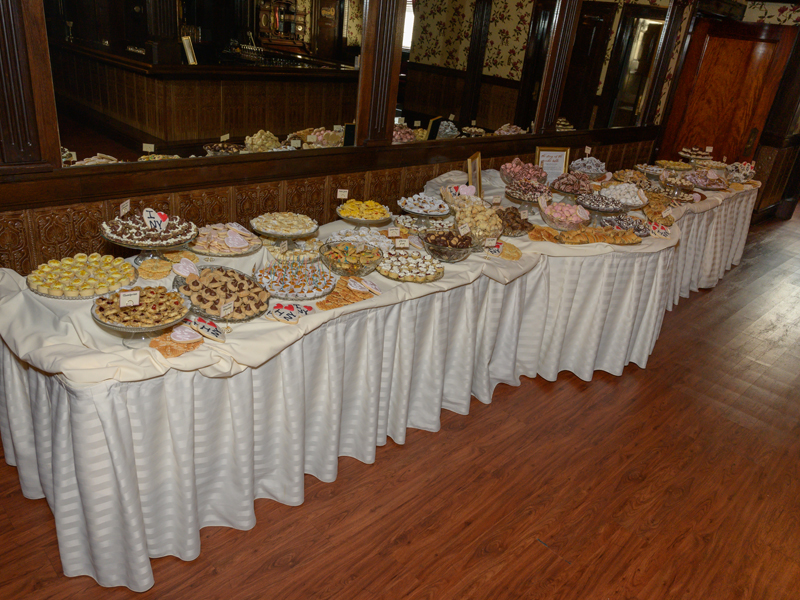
(31, 236)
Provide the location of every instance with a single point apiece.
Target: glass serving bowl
(348, 269)
(563, 225)
(446, 253)
(591, 176)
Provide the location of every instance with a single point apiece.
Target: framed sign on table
(474, 173)
(554, 161)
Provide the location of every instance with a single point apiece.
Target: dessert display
(448, 246)
(510, 252)
(97, 159)
(422, 204)
(600, 203)
(154, 157)
(631, 176)
(301, 136)
(565, 217)
(217, 287)
(366, 212)
(420, 134)
(297, 280)
(263, 141)
(694, 153)
(563, 125)
(572, 183)
(635, 224)
(741, 172)
(670, 178)
(517, 169)
(447, 130)
(343, 294)
(223, 149)
(402, 134)
(284, 224)
(473, 131)
(179, 341)
(483, 221)
(543, 234)
(509, 129)
(66, 156)
(711, 164)
(81, 276)
(590, 166)
(414, 225)
(225, 239)
(707, 180)
(402, 265)
(675, 165)
(651, 170)
(513, 223)
(528, 190)
(306, 251)
(154, 269)
(656, 211)
(324, 138)
(175, 257)
(601, 235)
(627, 193)
(157, 308)
(348, 259)
(133, 230)
(363, 235)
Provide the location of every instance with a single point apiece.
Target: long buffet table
(135, 452)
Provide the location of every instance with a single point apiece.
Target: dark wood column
(557, 65)
(378, 81)
(477, 53)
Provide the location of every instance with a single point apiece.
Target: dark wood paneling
(477, 51)
(253, 200)
(434, 91)
(497, 105)
(774, 170)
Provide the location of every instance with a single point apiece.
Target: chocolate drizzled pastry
(132, 228)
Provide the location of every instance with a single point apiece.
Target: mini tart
(71, 291)
(81, 257)
(102, 288)
(33, 281)
(95, 257)
(86, 290)
(106, 259)
(44, 288)
(68, 261)
(118, 261)
(54, 263)
(114, 285)
(57, 289)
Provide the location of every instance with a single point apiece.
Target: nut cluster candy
(223, 148)
(447, 129)
(529, 190)
(509, 129)
(473, 131)
(572, 183)
(589, 165)
(482, 220)
(263, 141)
(449, 238)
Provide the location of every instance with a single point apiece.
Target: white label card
(490, 242)
(417, 123)
(342, 194)
(709, 149)
(394, 232)
(125, 208)
(523, 214)
(73, 156)
(473, 122)
(311, 139)
(401, 243)
(297, 144)
(355, 285)
(667, 212)
(225, 138)
(402, 120)
(148, 147)
(129, 299)
(588, 150)
(372, 287)
(463, 229)
(226, 308)
(452, 117)
(284, 247)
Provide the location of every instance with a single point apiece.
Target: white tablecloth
(135, 453)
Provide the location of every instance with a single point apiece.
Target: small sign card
(523, 214)
(490, 242)
(125, 208)
(452, 117)
(473, 122)
(587, 150)
(297, 144)
(463, 229)
(709, 149)
(73, 156)
(148, 147)
(311, 139)
(400, 243)
(394, 232)
(226, 309)
(667, 212)
(155, 220)
(417, 123)
(342, 194)
(130, 298)
(284, 246)
(225, 138)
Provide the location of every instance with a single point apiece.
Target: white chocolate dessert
(284, 223)
(401, 265)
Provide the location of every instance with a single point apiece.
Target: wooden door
(726, 88)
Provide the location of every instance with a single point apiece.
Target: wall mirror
(123, 82)
(612, 65)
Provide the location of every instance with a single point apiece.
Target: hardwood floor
(681, 480)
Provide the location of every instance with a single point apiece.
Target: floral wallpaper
(508, 37)
(772, 14)
(441, 33)
(355, 22)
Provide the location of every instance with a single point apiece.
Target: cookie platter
(92, 297)
(180, 281)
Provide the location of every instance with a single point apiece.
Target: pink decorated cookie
(185, 335)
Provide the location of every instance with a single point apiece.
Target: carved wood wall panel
(354, 183)
(253, 200)
(160, 202)
(416, 177)
(15, 245)
(386, 187)
(58, 230)
(307, 196)
(204, 207)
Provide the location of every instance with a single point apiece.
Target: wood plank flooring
(681, 480)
